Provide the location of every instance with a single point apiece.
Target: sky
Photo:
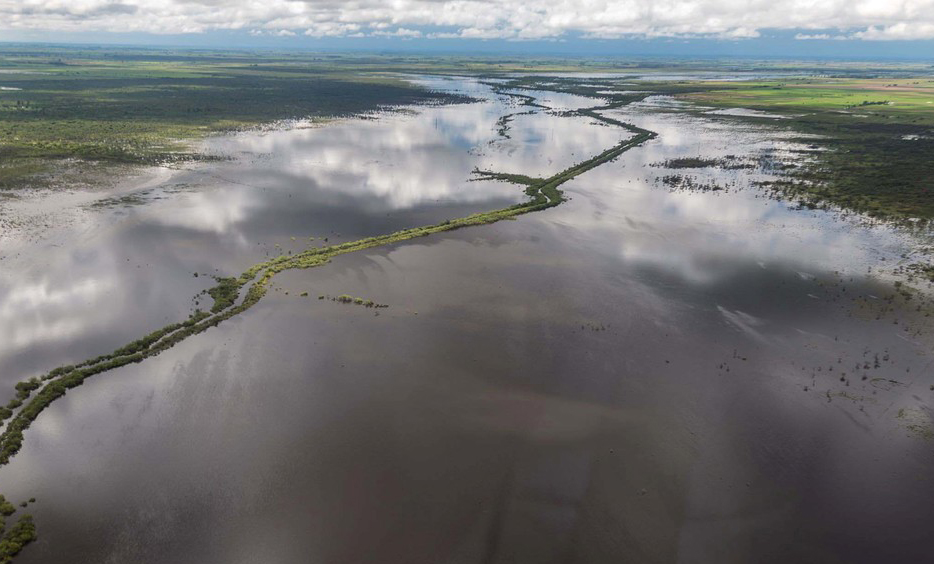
(855, 28)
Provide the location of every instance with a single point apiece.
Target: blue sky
(858, 29)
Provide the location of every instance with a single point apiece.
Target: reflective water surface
(643, 374)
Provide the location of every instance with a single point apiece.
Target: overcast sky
(844, 22)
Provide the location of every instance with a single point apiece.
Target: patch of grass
(127, 200)
(6, 508)
(508, 177)
(916, 422)
(923, 270)
(348, 299)
(224, 293)
(688, 183)
(688, 162)
(902, 100)
(26, 387)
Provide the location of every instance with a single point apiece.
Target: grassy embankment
(61, 110)
(874, 139)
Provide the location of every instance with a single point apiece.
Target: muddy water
(640, 374)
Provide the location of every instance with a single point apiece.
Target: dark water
(618, 379)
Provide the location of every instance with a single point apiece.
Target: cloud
(484, 19)
(901, 30)
(822, 37)
(399, 32)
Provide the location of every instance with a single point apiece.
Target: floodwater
(642, 374)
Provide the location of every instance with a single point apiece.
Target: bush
(6, 508)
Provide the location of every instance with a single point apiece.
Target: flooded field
(671, 366)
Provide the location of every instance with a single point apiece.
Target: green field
(905, 100)
(877, 135)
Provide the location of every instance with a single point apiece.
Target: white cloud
(483, 19)
(824, 36)
(399, 32)
(900, 30)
